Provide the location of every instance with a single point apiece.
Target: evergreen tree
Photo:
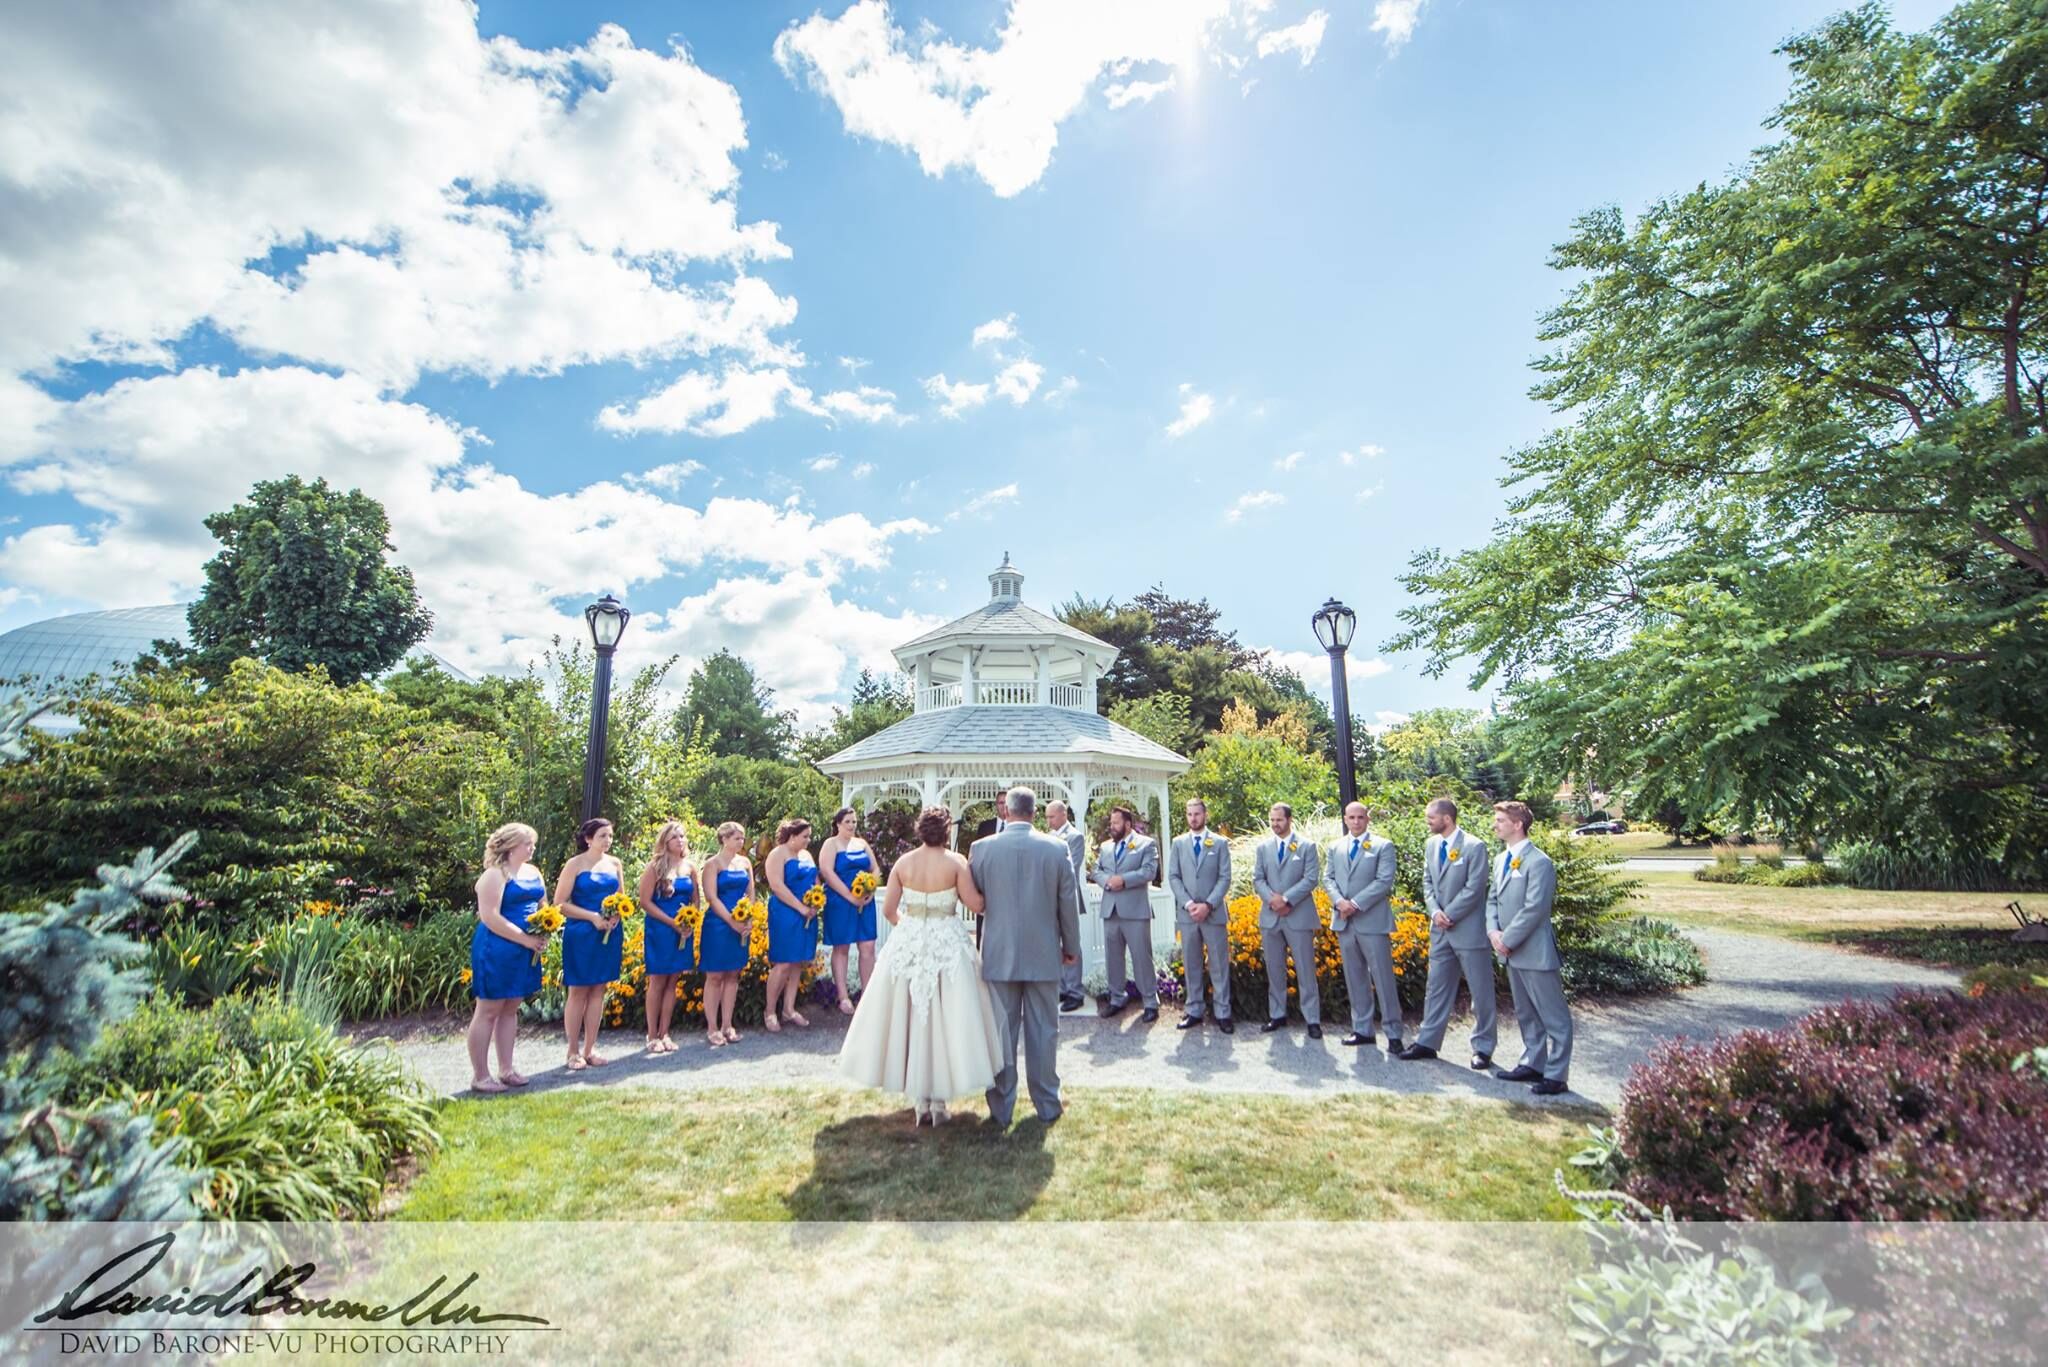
(301, 580)
(735, 711)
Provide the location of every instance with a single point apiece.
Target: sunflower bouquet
(544, 921)
(621, 906)
(815, 898)
(863, 885)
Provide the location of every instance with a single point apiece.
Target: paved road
(1755, 982)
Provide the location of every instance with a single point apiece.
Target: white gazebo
(1006, 696)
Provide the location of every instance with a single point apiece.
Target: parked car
(1601, 828)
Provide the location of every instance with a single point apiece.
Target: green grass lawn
(1954, 929)
(1652, 844)
(826, 1154)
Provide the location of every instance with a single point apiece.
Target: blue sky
(575, 303)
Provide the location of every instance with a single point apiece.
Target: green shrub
(290, 1121)
(2024, 975)
(367, 969)
(1633, 956)
(1901, 866)
(1780, 875)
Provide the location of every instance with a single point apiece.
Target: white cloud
(1195, 409)
(954, 398)
(667, 478)
(774, 161)
(1003, 329)
(1371, 490)
(1314, 668)
(151, 457)
(853, 364)
(1019, 380)
(862, 470)
(1384, 722)
(1365, 452)
(995, 111)
(823, 463)
(868, 403)
(1062, 391)
(1136, 92)
(1259, 498)
(1290, 460)
(1304, 37)
(1396, 19)
(706, 406)
(369, 185)
(983, 501)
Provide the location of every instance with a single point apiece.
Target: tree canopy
(734, 711)
(1789, 555)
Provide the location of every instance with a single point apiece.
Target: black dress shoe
(1315, 1032)
(1270, 1026)
(1070, 1003)
(1394, 1047)
(1481, 1062)
(1521, 1072)
(1550, 1087)
(1188, 1022)
(1149, 1014)
(1416, 1051)
(1355, 1039)
(1227, 1026)
(1104, 1008)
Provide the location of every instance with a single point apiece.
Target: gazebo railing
(1009, 694)
(937, 696)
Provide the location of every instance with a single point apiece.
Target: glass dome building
(42, 656)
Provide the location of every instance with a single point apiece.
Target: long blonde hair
(666, 883)
(505, 839)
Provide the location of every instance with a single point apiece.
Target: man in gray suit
(1284, 876)
(1123, 870)
(1518, 924)
(1060, 822)
(1358, 875)
(1454, 894)
(1029, 931)
(1198, 872)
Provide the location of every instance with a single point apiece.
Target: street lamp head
(607, 618)
(1334, 624)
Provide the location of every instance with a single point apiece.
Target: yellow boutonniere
(1514, 863)
(1456, 854)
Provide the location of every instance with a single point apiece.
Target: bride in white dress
(925, 1026)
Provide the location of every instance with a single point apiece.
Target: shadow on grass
(876, 1167)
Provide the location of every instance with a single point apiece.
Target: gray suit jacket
(1367, 880)
(1199, 879)
(1076, 841)
(1291, 873)
(1138, 863)
(1029, 920)
(1458, 890)
(1519, 908)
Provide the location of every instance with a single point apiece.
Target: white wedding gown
(925, 1027)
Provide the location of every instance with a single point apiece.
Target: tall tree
(878, 703)
(735, 710)
(301, 580)
(1790, 555)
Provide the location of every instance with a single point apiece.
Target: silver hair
(1021, 803)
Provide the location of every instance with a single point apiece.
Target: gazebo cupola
(1005, 654)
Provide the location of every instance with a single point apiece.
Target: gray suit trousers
(1070, 978)
(1446, 965)
(1030, 1010)
(1117, 934)
(1298, 937)
(1370, 981)
(1545, 1021)
(1212, 935)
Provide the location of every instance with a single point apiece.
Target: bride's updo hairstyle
(933, 825)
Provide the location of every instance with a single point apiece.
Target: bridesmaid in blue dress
(727, 940)
(504, 964)
(593, 946)
(667, 885)
(848, 920)
(792, 926)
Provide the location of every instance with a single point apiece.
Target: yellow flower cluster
(317, 909)
(621, 906)
(545, 921)
(628, 994)
(815, 898)
(863, 884)
(1410, 943)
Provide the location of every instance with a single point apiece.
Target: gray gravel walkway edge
(1755, 982)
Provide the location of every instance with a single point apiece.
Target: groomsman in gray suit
(1124, 870)
(1028, 931)
(1284, 876)
(1358, 875)
(1060, 822)
(1454, 894)
(1518, 924)
(1198, 872)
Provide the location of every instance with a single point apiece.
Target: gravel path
(1755, 982)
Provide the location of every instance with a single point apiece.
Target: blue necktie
(1504, 865)
(1443, 853)
(1354, 847)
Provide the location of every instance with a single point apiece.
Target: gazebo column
(1044, 655)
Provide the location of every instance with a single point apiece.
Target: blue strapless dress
(668, 952)
(793, 932)
(845, 923)
(723, 950)
(498, 968)
(587, 961)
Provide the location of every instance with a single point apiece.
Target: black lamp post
(1334, 624)
(607, 618)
